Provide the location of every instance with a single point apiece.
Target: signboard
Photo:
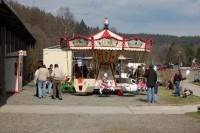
(107, 42)
(134, 43)
(80, 42)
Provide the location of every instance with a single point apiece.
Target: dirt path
(54, 109)
(90, 123)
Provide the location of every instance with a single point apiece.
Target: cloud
(178, 17)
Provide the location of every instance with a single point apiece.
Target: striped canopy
(107, 40)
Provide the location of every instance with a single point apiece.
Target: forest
(48, 28)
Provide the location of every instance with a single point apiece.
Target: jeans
(57, 87)
(50, 84)
(151, 95)
(41, 88)
(177, 91)
(156, 97)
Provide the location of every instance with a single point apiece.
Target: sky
(172, 17)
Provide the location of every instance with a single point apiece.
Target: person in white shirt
(58, 76)
(41, 77)
(36, 81)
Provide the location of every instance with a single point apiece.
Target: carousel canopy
(107, 40)
(107, 34)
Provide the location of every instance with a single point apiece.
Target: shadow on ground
(129, 95)
(4, 97)
(142, 100)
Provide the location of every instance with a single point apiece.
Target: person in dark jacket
(151, 77)
(177, 80)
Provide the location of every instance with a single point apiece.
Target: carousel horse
(106, 85)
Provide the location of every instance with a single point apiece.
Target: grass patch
(195, 115)
(167, 97)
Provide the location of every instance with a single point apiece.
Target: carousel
(102, 51)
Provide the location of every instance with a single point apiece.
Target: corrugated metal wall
(2, 56)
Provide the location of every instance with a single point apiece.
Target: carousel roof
(107, 34)
(107, 40)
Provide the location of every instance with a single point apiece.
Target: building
(63, 58)
(14, 36)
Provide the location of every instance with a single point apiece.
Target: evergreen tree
(170, 53)
(190, 53)
(82, 28)
(198, 54)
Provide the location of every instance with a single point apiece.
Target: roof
(108, 40)
(10, 19)
(107, 34)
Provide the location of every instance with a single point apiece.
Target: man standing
(58, 76)
(151, 76)
(41, 77)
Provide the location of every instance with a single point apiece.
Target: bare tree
(67, 20)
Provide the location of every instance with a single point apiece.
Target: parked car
(161, 67)
(197, 79)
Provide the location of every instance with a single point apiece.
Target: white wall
(58, 56)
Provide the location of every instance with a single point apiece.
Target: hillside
(168, 39)
(48, 28)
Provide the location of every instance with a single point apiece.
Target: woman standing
(177, 80)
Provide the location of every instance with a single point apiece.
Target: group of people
(151, 85)
(151, 82)
(51, 79)
(48, 79)
(146, 79)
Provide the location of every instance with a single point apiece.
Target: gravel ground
(26, 97)
(30, 123)
(90, 123)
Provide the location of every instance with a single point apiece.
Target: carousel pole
(123, 43)
(92, 39)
